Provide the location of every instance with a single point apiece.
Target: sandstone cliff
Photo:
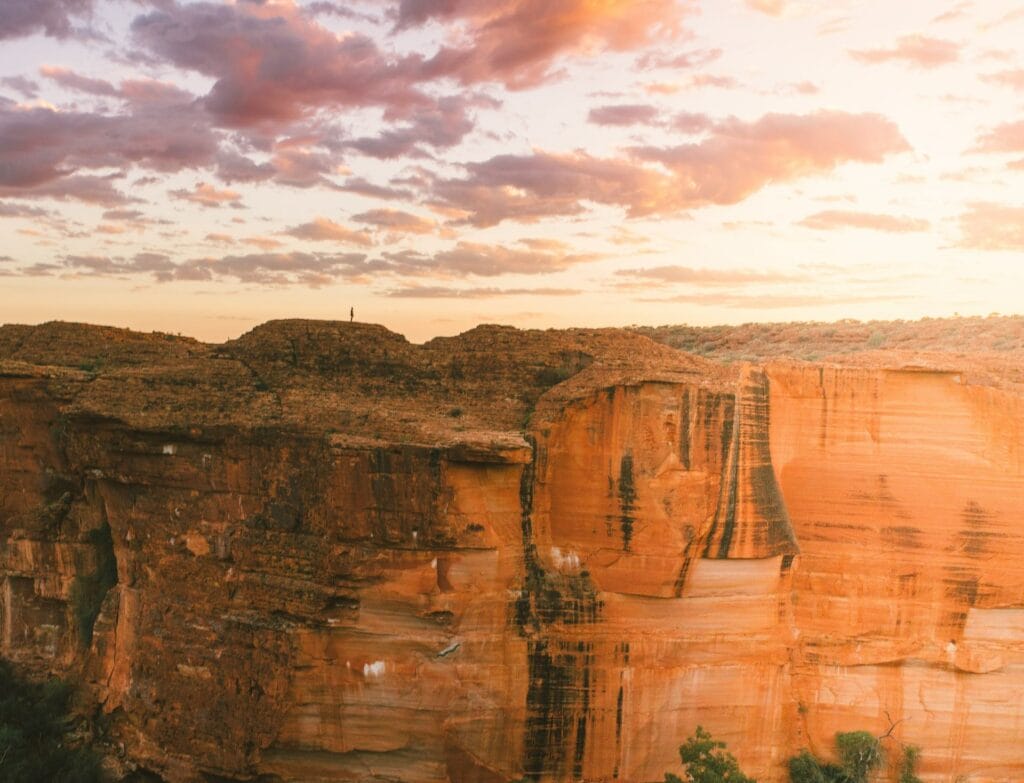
(320, 552)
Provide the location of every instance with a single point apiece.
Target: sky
(203, 167)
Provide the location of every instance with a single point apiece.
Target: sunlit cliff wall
(347, 578)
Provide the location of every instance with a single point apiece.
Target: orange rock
(508, 554)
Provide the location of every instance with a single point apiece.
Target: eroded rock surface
(320, 552)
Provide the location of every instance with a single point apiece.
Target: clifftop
(353, 379)
(363, 380)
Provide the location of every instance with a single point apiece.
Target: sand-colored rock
(340, 556)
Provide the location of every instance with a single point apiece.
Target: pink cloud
(364, 187)
(396, 221)
(445, 292)
(270, 63)
(483, 260)
(77, 187)
(740, 158)
(713, 80)
(775, 301)
(917, 50)
(22, 85)
(440, 125)
(1008, 137)
(74, 81)
(518, 42)
(624, 114)
(704, 276)
(770, 7)
(838, 219)
(677, 61)
(50, 17)
(322, 229)
(530, 187)
(737, 159)
(207, 195)
(987, 226)
(41, 146)
(1013, 78)
(272, 269)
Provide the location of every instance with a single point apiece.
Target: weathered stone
(507, 554)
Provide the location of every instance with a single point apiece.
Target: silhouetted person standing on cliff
(351, 314)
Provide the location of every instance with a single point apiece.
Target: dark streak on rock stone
(627, 498)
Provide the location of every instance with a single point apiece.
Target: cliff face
(321, 553)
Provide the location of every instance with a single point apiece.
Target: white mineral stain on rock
(375, 669)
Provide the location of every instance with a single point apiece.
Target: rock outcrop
(320, 552)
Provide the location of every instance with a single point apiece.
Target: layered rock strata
(321, 553)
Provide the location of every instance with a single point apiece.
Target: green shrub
(860, 754)
(707, 761)
(33, 733)
(908, 764)
(805, 768)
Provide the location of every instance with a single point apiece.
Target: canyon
(319, 552)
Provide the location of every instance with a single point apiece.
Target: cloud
(299, 167)
(363, 187)
(74, 81)
(530, 187)
(8, 210)
(704, 276)
(532, 257)
(713, 80)
(322, 229)
(442, 292)
(396, 221)
(45, 151)
(267, 268)
(734, 161)
(917, 50)
(955, 12)
(207, 195)
(804, 88)
(271, 64)
(769, 7)
(441, 125)
(987, 226)
(677, 60)
(50, 17)
(623, 114)
(86, 188)
(263, 243)
(838, 219)
(775, 301)
(519, 42)
(1012, 78)
(491, 260)
(22, 85)
(276, 269)
(740, 158)
(1008, 137)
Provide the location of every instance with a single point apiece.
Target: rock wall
(777, 553)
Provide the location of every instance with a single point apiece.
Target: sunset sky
(201, 167)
